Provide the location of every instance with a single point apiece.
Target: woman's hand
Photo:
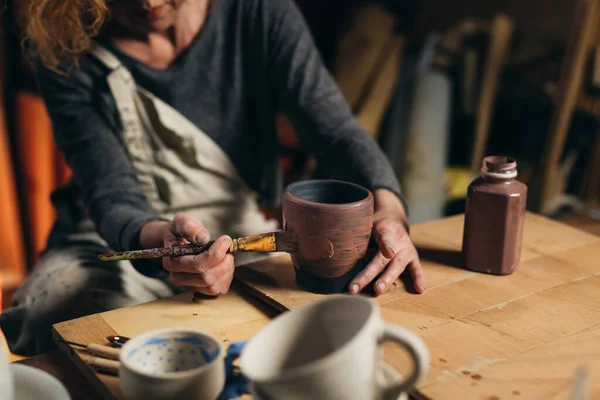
(396, 250)
(209, 273)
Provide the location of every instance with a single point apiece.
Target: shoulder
(85, 75)
(74, 89)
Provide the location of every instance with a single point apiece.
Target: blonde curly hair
(62, 30)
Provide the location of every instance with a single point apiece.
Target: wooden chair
(583, 30)
(40, 168)
(12, 248)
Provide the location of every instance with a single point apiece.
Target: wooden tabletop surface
(490, 337)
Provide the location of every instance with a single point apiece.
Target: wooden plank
(360, 49)
(502, 332)
(232, 317)
(582, 33)
(475, 325)
(468, 320)
(376, 104)
(85, 330)
(480, 291)
(582, 221)
(541, 236)
(501, 30)
(453, 291)
(545, 372)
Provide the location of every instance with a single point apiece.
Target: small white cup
(329, 350)
(172, 364)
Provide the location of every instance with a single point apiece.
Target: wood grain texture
(478, 326)
(231, 317)
(360, 49)
(490, 337)
(583, 221)
(85, 330)
(501, 30)
(581, 37)
(376, 103)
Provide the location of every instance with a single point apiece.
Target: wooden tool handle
(263, 242)
(103, 364)
(500, 35)
(174, 251)
(103, 351)
(572, 75)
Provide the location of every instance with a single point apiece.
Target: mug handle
(418, 351)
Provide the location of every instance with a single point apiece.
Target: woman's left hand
(396, 253)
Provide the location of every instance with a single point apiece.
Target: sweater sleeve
(315, 105)
(97, 157)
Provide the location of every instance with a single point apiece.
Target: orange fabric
(41, 168)
(63, 172)
(12, 255)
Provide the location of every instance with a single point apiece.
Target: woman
(167, 118)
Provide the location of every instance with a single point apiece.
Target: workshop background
(438, 84)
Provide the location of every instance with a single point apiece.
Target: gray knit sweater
(251, 60)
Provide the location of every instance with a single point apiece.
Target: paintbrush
(281, 241)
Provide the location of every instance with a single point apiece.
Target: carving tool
(103, 358)
(117, 340)
(104, 365)
(281, 241)
(96, 349)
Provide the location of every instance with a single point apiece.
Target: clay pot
(333, 221)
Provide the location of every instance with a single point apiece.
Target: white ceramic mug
(328, 350)
(172, 364)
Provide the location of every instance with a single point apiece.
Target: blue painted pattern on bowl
(171, 353)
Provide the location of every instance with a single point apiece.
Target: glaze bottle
(494, 218)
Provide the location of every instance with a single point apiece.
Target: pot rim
(139, 339)
(319, 364)
(339, 206)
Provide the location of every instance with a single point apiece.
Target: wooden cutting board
(490, 337)
(231, 317)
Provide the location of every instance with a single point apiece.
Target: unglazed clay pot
(333, 221)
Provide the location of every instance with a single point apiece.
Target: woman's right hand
(209, 273)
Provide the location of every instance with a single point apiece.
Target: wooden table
(490, 337)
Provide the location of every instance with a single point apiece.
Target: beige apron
(179, 167)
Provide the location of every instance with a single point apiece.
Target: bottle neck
(498, 169)
(498, 177)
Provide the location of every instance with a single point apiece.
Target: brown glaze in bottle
(494, 218)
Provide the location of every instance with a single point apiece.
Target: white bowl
(172, 363)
